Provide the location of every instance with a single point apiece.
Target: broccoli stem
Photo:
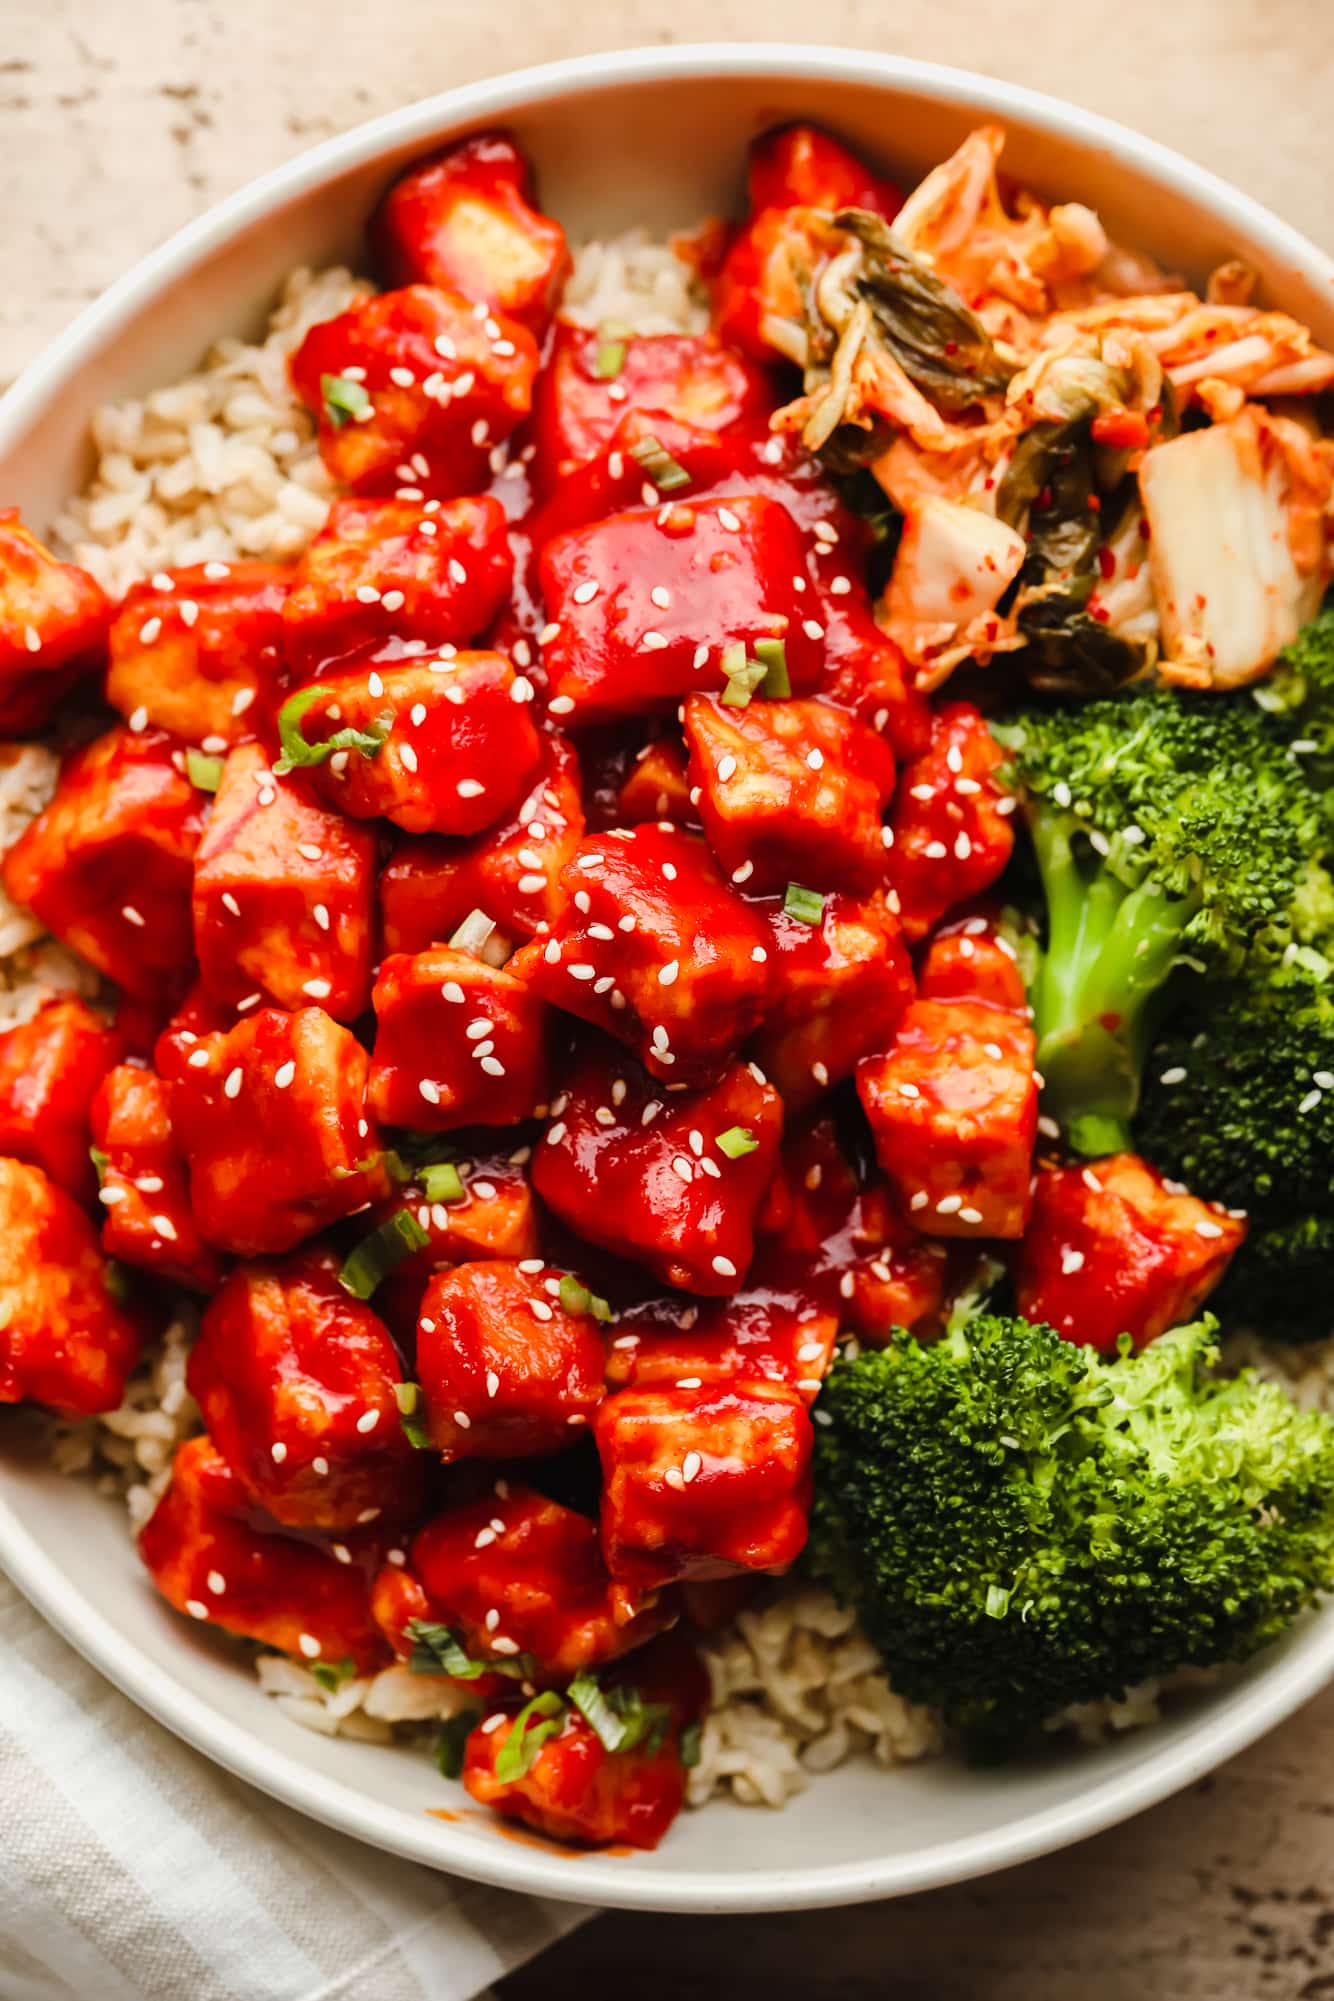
(1110, 948)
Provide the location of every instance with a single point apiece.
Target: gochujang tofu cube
(283, 894)
(511, 872)
(643, 606)
(297, 1383)
(210, 1558)
(968, 960)
(438, 571)
(698, 1483)
(644, 443)
(672, 1180)
(147, 1219)
(510, 1360)
(271, 1117)
(464, 219)
(575, 1788)
(657, 788)
(951, 821)
(953, 1106)
(790, 791)
(443, 747)
(53, 627)
(592, 380)
(511, 1574)
(778, 1330)
(65, 1338)
(656, 949)
(199, 651)
(410, 388)
(196, 1017)
(457, 1043)
(108, 865)
(841, 986)
(1112, 1248)
(865, 671)
(50, 1068)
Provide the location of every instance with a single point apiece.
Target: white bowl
(658, 137)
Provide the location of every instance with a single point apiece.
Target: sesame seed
(1208, 1229)
(820, 1072)
(724, 1267)
(815, 759)
(726, 519)
(196, 1609)
(970, 1215)
(935, 850)
(492, 1066)
(812, 628)
(549, 632)
(470, 788)
(1071, 1261)
(726, 769)
(653, 641)
(963, 847)
(556, 1133)
(277, 1452)
(232, 1084)
(948, 1204)
(540, 1310)
(909, 1091)
(682, 1169)
(198, 1059)
(149, 631)
(586, 592)
(667, 974)
(132, 916)
(368, 1420)
(919, 1200)
(317, 989)
(847, 1285)
(164, 1227)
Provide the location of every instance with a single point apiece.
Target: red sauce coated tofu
(655, 948)
(452, 743)
(777, 1330)
(645, 604)
(507, 1370)
(53, 627)
(147, 1219)
(952, 832)
(953, 1104)
(433, 390)
(108, 865)
(199, 651)
(283, 894)
(296, 1381)
(437, 571)
(212, 1556)
(271, 1117)
(967, 960)
(575, 1789)
(65, 1339)
(865, 671)
(657, 788)
(618, 476)
(464, 219)
(50, 1068)
(699, 1483)
(534, 1564)
(790, 791)
(841, 988)
(457, 1043)
(690, 377)
(1112, 1248)
(641, 1172)
(512, 871)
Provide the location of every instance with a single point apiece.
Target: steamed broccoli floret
(1300, 693)
(1169, 830)
(1022, 1525)
(1239, 1104)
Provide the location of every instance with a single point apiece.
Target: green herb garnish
(436, 1650)
(736, 1142)
(408, 1398)
(376, 1256)
(597, 1711)
(452, 1742)
(667, 473)
(803, 904)
(442, 1182)
(298, 754)
(766, 674)
(332, 1674)
(690, 1744)
(609, 359)
(576, 1298)
(536, 1721)
(101, 1162)
(343, 399)
(202, 771)
(771, 654)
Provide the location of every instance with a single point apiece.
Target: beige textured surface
(122, 118)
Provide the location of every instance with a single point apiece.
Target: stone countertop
(122, 119)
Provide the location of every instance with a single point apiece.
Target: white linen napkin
(131, 1869)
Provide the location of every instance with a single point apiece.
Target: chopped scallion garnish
(298, 754)
(736, 1142)
(771, 654)
(576, 1298)
(452, 1743)
(332, 1674)
(376, 1256)
(689, 1745)
(803, 904)
(479, 938)
(609, 359)
(536, 1721)
(101, 1162)
(436, 1650)
(442, 1182)
(343, 399)
(667, 473)
(203, 771)
(596, 1711)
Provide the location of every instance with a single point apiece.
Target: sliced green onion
(395, 1166)
(736, 1142)
(803, 904)
(536, 1721)
(610, 359)
(407, 1396)
(298, 754)
(117, 1280)
(343, 399)
(435, 1650)
(375, 1256)
(645, 1723)
(442, 1182)
(997, 1601)
(204, 772)
(742, 684)
(666, 472)
(772, 656)
(452, 1742)
(478, 936)
(575, 1297)
(689, 1745)
(596, 1711)
(366, 1166)
(332, 1674)
(101, 1162)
